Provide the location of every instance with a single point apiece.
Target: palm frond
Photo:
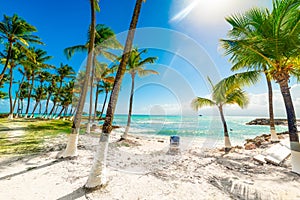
(146, 72)
(200, 102)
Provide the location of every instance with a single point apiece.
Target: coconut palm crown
(227, 91)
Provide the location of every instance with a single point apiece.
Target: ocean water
(209, 127)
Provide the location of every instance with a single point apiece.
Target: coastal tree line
(261, 42)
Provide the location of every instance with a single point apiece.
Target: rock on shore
(266, 121)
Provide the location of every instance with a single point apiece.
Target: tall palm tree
(97, 175)
(32, 65)
(107, 126)
(223, 94)
(16, 58)
(277, 43)
(136, 66)
(105, 40)
(16, 31)
(71, 149)
(242, 26)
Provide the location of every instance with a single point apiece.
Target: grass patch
(22, 136)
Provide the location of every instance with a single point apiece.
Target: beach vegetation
(271, 38)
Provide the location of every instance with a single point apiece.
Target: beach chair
(276, 154)
(174, 145)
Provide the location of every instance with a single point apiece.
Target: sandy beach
(142, 169)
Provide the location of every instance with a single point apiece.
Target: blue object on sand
(174, 140)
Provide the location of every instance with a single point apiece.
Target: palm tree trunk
(71, 149)
(291, 116)
(22, 106)
(71, 110)
(107, 126)
(47, 104)
(53, 107)
(88, 126)
(226, 135)
(96, 102)
(10, 116)
(124, 136)
(274, 136)
(292, 125)
(104, 103)
(59, 114)
(29, 95)
(17, 94)
(7, 60)
(34, 108)
(56, 109)
(97, 175)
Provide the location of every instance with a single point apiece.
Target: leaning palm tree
(277, 43)
(16, 31)
(97, 175)
(136, 66)
(223, 94)
(71, 149)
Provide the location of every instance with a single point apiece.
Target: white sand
(143, 170)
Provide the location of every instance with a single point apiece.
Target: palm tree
(102, 75)
(251, 61)
(136, 65)
(105, 87)
(71, 149)
(23, 92)
(276, 42)
(66, 97)
(51, 89)
(35, 61)
(40, 93)
(97, 175)
(16, 31)
(104, 41)
(107, 126)
(223, 94)
(64, 71)
(16, 58)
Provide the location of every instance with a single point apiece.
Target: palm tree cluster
(38, 80)
(266, 42)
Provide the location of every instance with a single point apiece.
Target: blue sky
(183, 34)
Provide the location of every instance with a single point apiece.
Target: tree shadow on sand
(80, 192)
(31, 169)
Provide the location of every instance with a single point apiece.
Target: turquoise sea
(194, 126)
